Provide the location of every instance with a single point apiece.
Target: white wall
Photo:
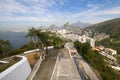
(35, 50)
(19, 71)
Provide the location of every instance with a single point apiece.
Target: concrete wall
(18, 71)
(35, 50)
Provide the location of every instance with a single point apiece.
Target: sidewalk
(36, 67)
(66, 68)
(87, 69)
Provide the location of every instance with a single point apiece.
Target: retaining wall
(18, 71)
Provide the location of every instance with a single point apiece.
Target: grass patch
(12, 60)
(32, 58)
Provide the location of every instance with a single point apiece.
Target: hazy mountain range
(80, 24)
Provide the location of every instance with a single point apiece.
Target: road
(108, 56)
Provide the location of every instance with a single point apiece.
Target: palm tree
(32, 34)
(42, 39)
(39, 39)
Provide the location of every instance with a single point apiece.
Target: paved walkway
(66, 68)
(87, 69)
(36, 67)
(46, 67)
(84, 66)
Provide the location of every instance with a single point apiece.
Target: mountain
(77, 27)
(54, 27)
(17, 39)
(74, 29)
(111, 27)
(80, 24)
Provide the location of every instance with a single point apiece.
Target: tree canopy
(97, 61)
(43, 38)
(5, 47)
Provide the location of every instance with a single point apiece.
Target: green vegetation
(12, 61)
(5, 47)
(32, 58)
(36, 56)
(17, 51)
(43, 39)
(111, 27)
(38, 39)
(118, 59)
(66, 24)
(110, 43)
(97, 61)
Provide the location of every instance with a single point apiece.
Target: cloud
(91, 5)
(112, 11)
(30, 10)
(7, 7)
(48, 11)
(115, 10)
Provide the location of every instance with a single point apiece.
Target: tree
(66, 24)
(42, 39)
(5, 47)
(57, 42)
(97, 61)
(32, 33)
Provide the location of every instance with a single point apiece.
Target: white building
(91, 41)
(61, 31)
(84, 39)
(75, 37)
(110, 51)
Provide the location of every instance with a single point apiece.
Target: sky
(21, 13)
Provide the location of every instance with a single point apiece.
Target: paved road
(108, 56)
